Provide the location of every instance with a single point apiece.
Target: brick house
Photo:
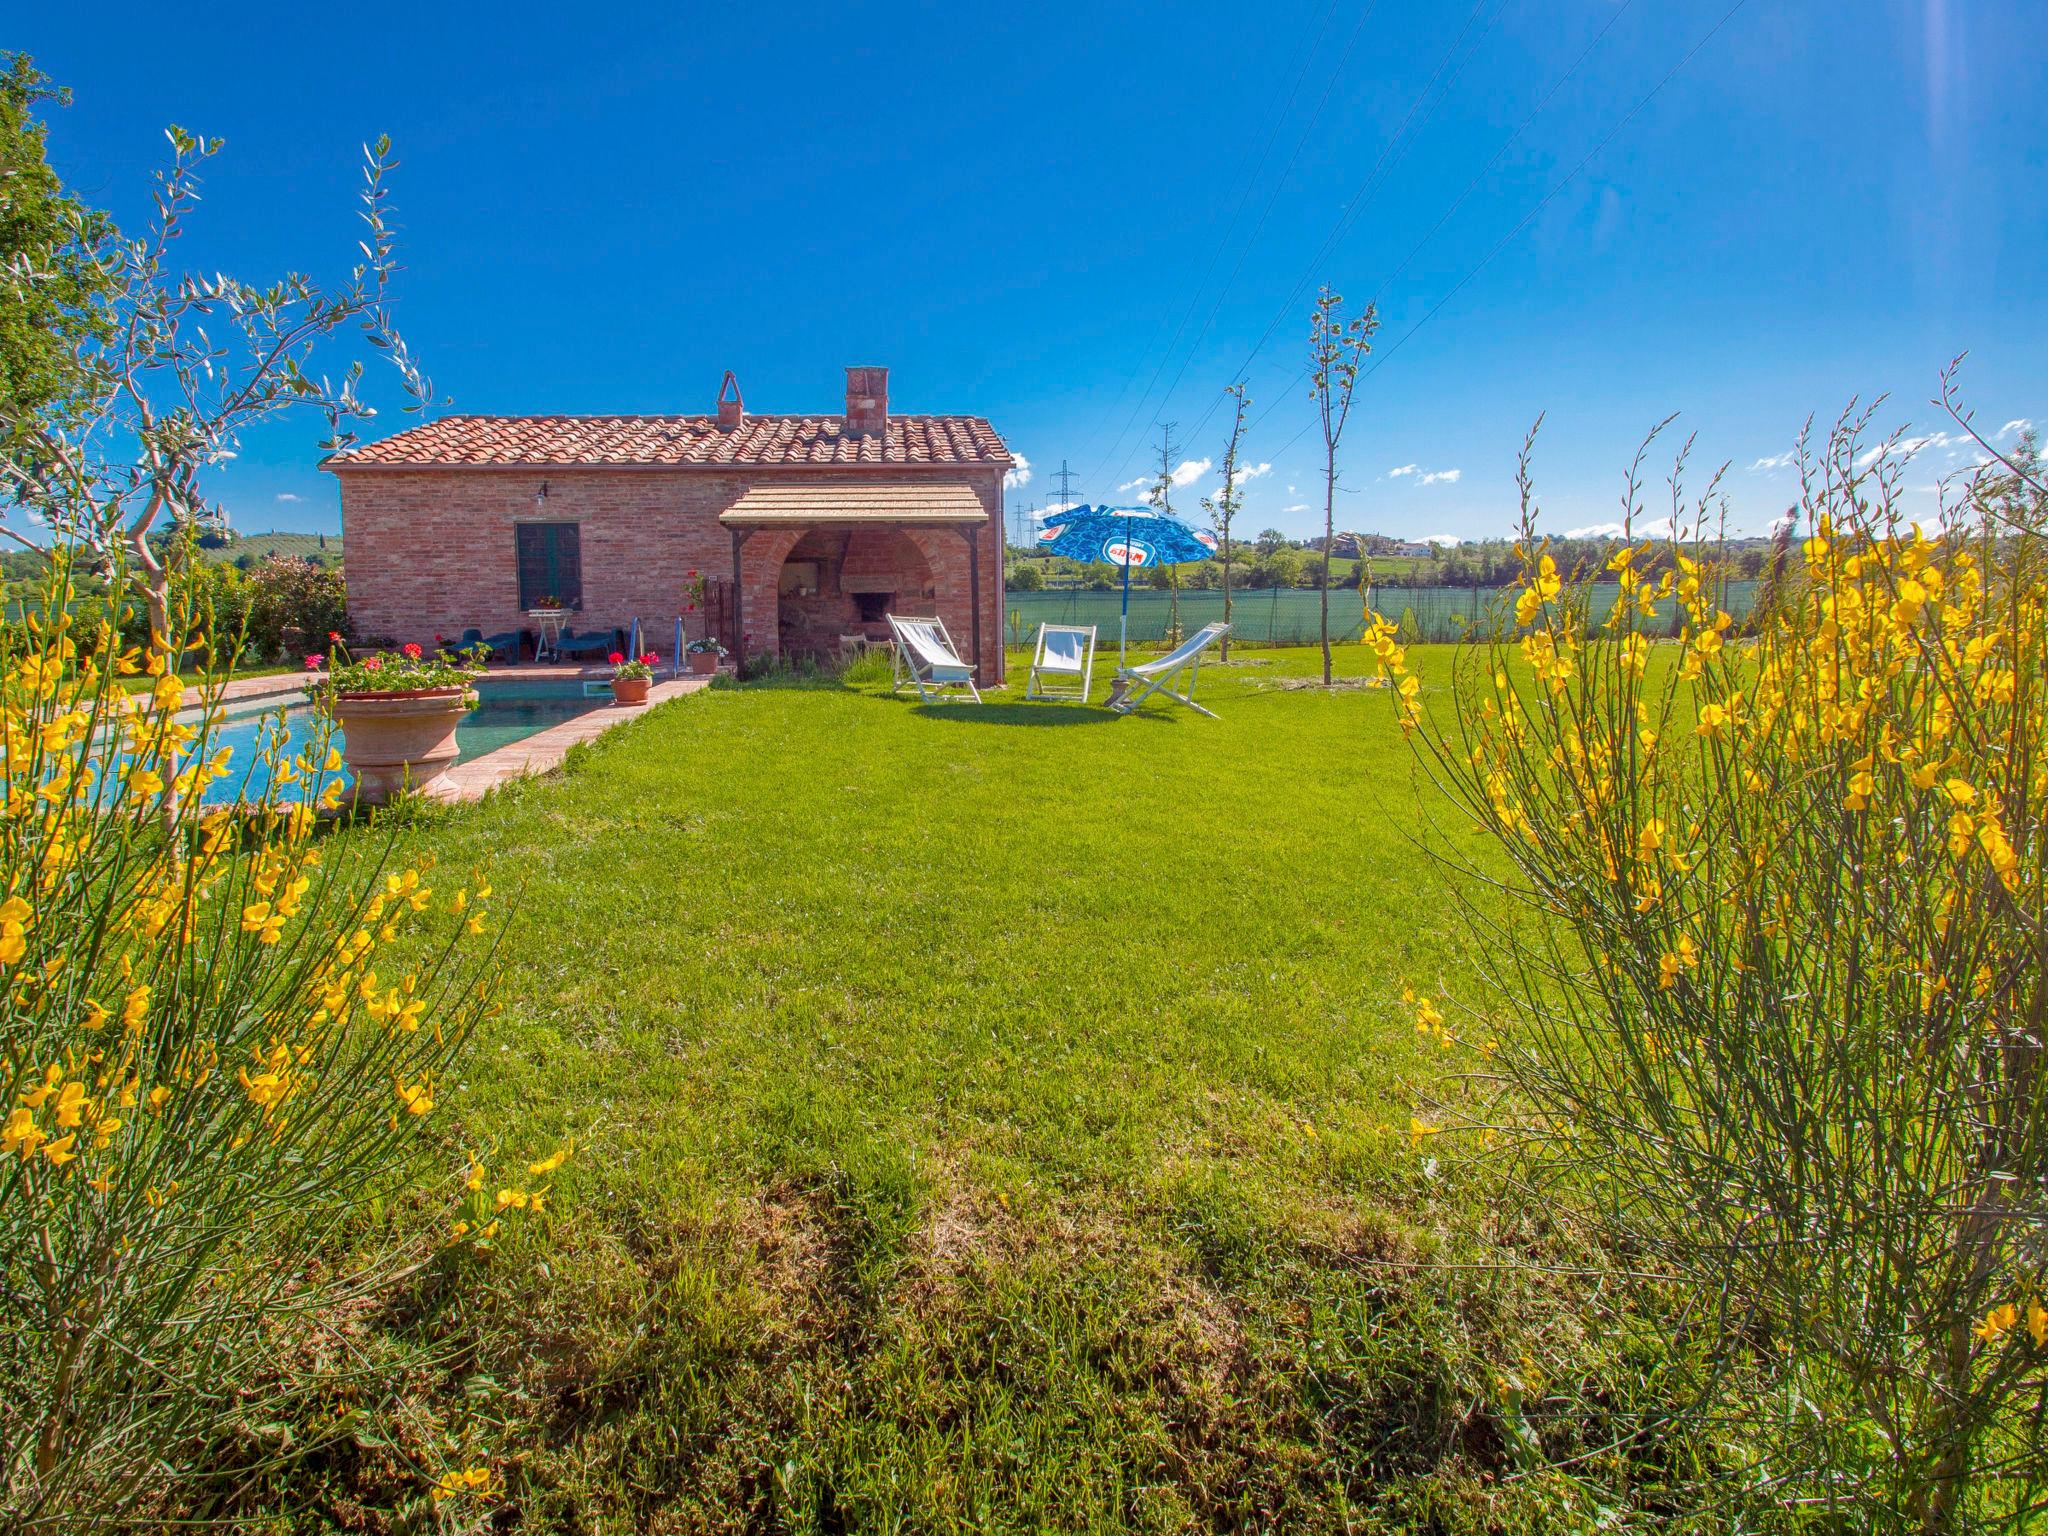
(804, 528)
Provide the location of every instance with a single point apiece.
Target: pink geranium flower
(315, 661)
(374, 664)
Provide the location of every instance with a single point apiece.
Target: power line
(1505, 145)
(1587, 159)
(1265, 213)
(1248, 181)
(1484, 171)
(1375, 177)
(1395, 147)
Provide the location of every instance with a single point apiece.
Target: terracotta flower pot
(703, 663)
(631, 690)
(405, 740)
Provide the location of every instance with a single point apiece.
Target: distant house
(1414, 551)
(804, 528)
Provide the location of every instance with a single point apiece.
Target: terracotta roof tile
(678, 440)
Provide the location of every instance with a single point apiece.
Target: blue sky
(1080, 222)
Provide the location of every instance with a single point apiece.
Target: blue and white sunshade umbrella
(1127, 536)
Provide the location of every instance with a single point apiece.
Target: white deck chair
(927, 658)
(1135, 684)
(1065, 651)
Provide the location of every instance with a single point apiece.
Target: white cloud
(1447, 540)
(2013, 428)
(1290, 490)
(1018, 474)
(1595, 531)
(1783, 460)
(1252, 471)
(1906, 447)
(1190, 471)
(289, 496)
(1425, 476)
(1054, 509)
(1299, 506)
(1138, 484)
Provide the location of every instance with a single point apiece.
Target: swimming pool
(506, 712)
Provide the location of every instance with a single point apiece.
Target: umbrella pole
(1123, 618)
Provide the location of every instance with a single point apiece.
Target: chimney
(730, 411)
(867, 401)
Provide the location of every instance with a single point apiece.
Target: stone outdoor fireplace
(837, 582)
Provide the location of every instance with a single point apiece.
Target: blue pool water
(506, 712)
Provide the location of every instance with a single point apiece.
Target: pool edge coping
(273, 685)
(468, 781)
(543, 751)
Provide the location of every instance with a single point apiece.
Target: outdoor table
(550, 621)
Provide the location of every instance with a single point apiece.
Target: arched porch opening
(838, 583)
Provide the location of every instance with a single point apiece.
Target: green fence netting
(1291, 616)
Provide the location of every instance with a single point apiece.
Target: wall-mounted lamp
(540, 498)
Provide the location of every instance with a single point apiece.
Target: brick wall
(433, 551)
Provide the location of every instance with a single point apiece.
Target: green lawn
(193, 677)
(987, 1119)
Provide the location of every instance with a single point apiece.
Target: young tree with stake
(1224, 506)
(1336, 347)
(1161, 496)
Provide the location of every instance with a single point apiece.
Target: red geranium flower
(334, 635)
(616, 657)
(412, 651)
(649, 659)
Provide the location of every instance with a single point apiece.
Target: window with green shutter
(550, 564)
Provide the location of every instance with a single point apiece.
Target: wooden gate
(719, 613)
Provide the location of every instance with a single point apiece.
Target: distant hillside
(250, 550)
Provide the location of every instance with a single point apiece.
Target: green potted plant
(397, 712)
(631, 679)
(705, 655)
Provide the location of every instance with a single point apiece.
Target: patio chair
(504, 644)
(594, 643)
(1136, 684)
(927, 658)
(1064, 652)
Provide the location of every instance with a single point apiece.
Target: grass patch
(989, 1118)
